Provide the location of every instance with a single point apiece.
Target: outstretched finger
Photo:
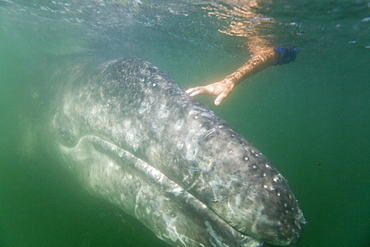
(196, 91)
(190, 90)
(220, 98)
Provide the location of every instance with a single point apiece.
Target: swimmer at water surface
(263, 55)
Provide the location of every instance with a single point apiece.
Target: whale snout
(281, 224)
(252, 196)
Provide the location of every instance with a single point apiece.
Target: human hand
(220, 89)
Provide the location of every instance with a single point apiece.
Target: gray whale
(131, 135)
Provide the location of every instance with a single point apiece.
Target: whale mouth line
(119, 157)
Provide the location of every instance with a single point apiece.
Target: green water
(311, 118)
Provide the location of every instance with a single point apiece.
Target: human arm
(262, 60)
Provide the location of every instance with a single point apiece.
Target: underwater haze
(311, 117)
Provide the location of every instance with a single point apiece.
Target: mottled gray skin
(134, 137)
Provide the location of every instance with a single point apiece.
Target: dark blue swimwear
(285, 55)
